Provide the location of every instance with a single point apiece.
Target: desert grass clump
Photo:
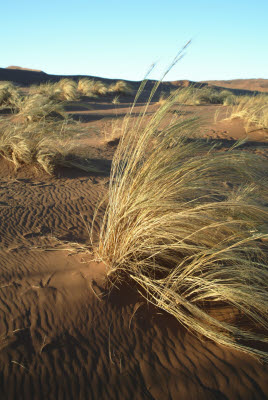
(85, 87)
(36, 107)
(67, 89)
(48, 89)
(121, 87)
(202, 96)
(209, 95)
(99, 88)
(184, 221)
(252, 109)
(231, 100)
(46, 143)
(10, 96)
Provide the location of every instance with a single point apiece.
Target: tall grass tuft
(184, 221)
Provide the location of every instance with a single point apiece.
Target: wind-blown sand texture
(63, 335)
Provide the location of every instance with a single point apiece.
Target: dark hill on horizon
(27, 77)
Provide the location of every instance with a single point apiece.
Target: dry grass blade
(185, 222)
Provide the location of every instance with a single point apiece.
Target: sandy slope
(65, 337)
(63, 334)
(256, 85)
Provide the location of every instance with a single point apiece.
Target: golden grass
(85, 87)
(38, 106)
(47, 89)
(46, 143)
(99, 88)
(205, 95)
(252, 109)
(185, 222)
(10, 96)
(65, 89)
(116, 100)
(68, 89)
(121, 87)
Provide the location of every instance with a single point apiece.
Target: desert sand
(64, 335)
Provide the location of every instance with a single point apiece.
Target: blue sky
(121, 39)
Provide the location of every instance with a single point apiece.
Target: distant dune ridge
(24, 69)
(28, 76)
(260, 85)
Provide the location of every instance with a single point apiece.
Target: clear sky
(121, 38)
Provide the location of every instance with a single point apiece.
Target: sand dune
(255, 85)
(63, 334)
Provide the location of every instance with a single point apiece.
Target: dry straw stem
(116, 100)
(252, 109)
(45, 142)
(185, 222)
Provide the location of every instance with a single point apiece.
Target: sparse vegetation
(252, 109)
(99, 88)
(45, 142)
(85, 87)
(36, 107)
(65, 89)
(116, 100)
(206, 95)
(185, 222)
(121, 87)
(10, 96)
